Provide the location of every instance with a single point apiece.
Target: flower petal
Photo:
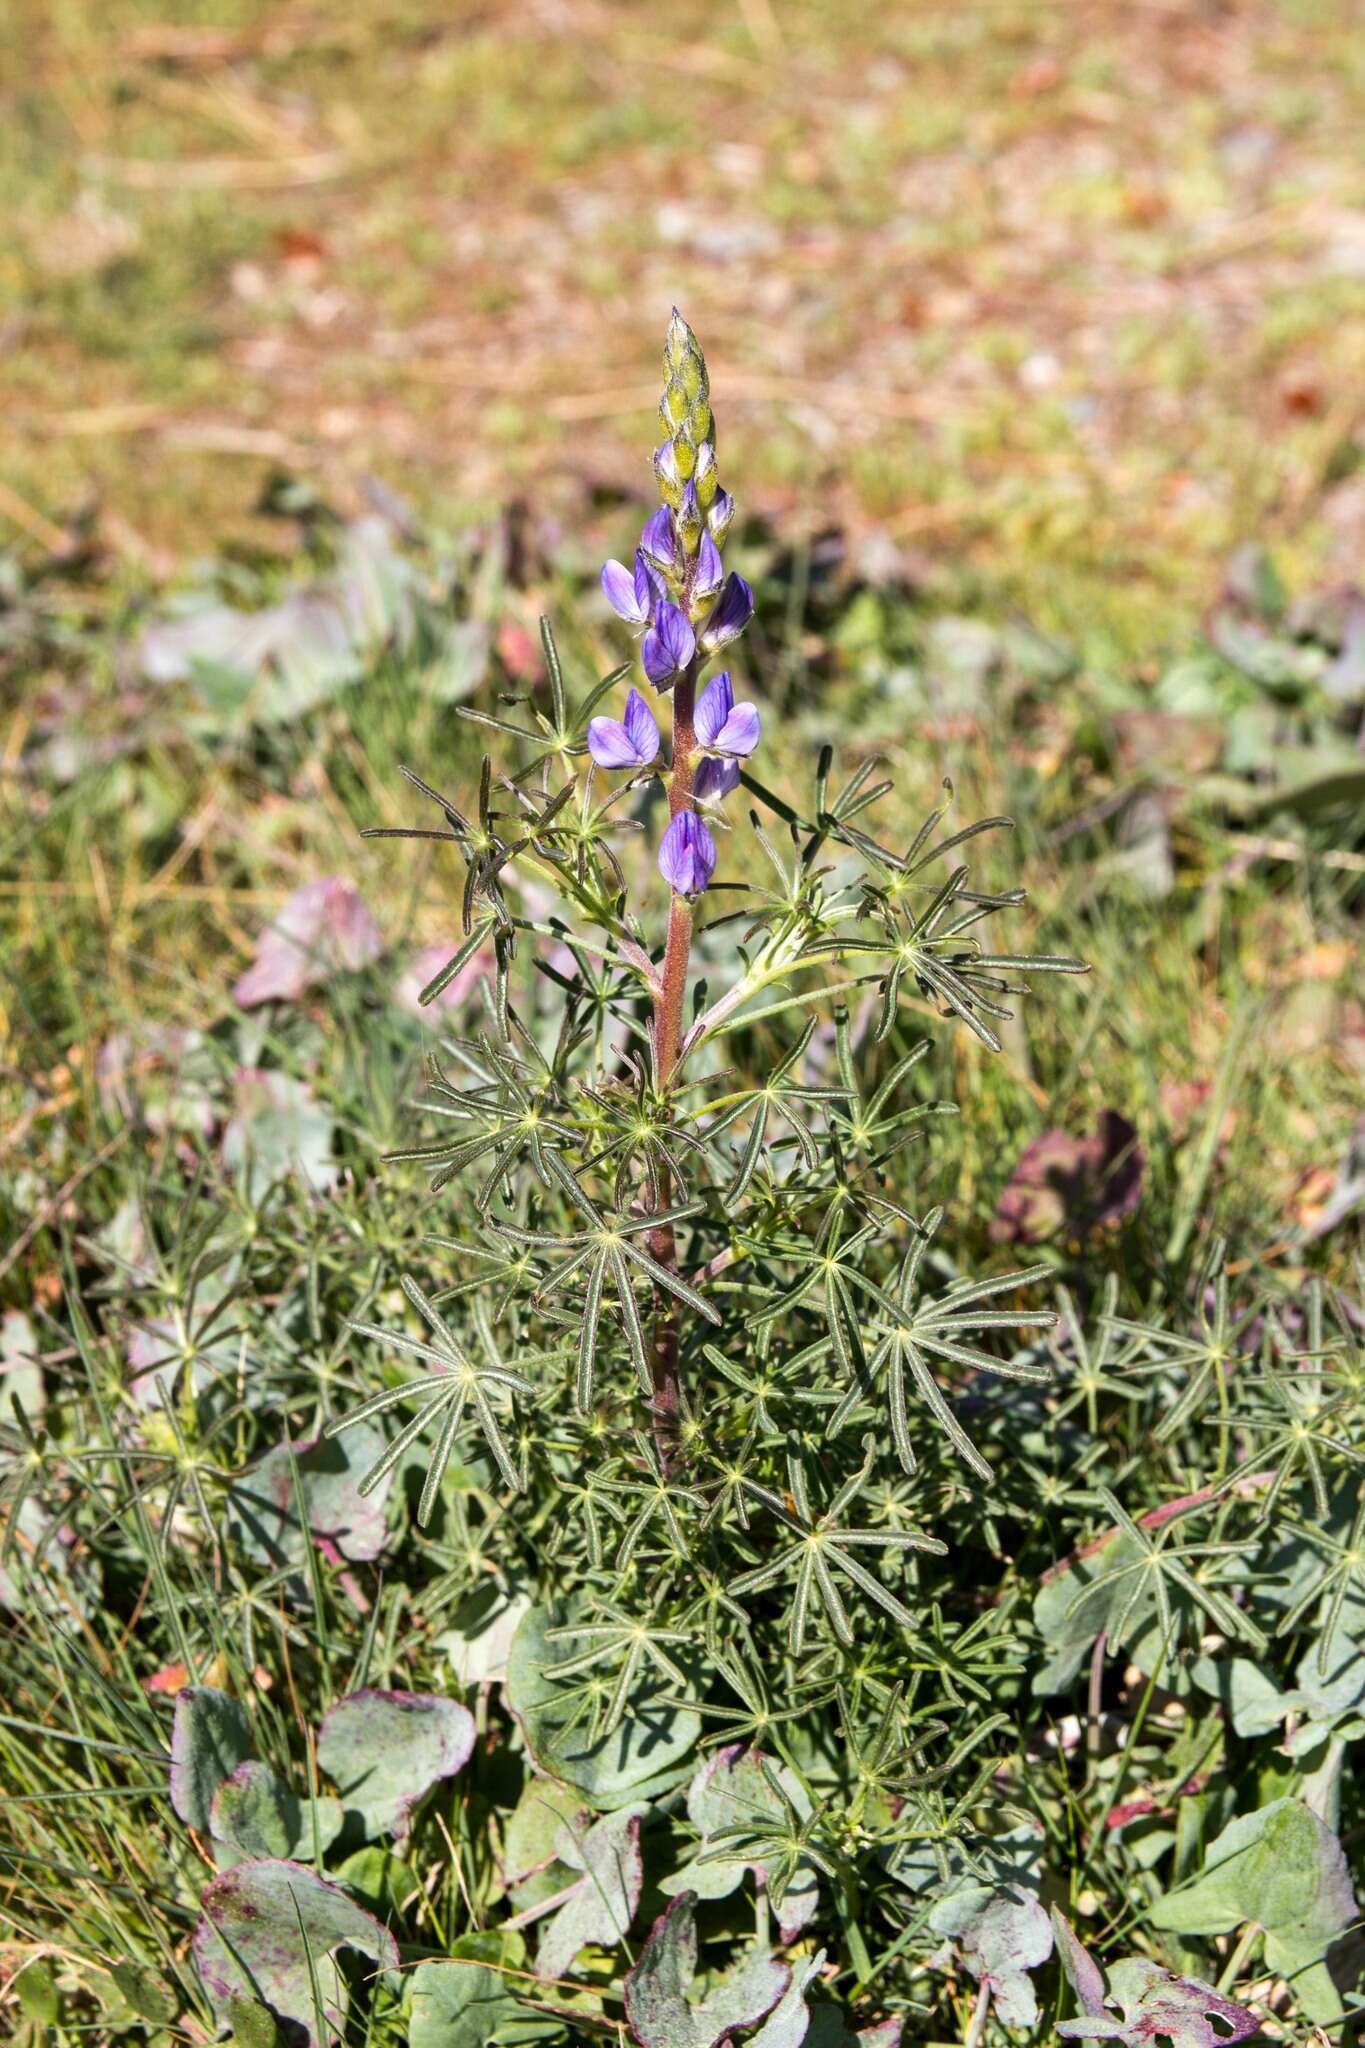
(620, 587)
(668, 646)
(642, 729)
(714, 779)
(687, 854)
(740, 732)
(610, 744)
(731, 615)
(714, 706)
(657, 542)
(710, 571)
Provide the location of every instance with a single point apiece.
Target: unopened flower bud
(667, 472)
(689, 519)
(719, 516)
(706, 476)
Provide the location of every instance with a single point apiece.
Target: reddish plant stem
(670, 1006)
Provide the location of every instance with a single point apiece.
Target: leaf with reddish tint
(1154, 2004)
(1000, 1936)
(733, 1789)
(323, 928)
(269, 1931)
(658, 2008)
(1072, 1184)
(385, 1750)
(603, 1903)
(345, 1523)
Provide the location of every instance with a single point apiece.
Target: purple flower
(710, 573)
(631, 742)
(657, 542)
(722, 726)
(631, 597)
(731, 615)
(668, 646)
(687, 854)
(714, 779)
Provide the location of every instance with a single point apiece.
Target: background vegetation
(1035, 333)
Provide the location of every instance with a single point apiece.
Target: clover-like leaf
(644, 1755)
(1154, 2003)
(660, 2013)
(269, 1932)
(254, 1816)
(460, 2002)
(788, 2024)
(344, 1523)
(210, 1738)
(1283, 1870)
(601, 1906)
(739, 1792)
(1000, 1936)
(385, 1750)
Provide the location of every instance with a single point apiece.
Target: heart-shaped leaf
(210, 1738)
(603, 1903)
(254, 1816)
(461, 2002)
(1284, 1871)
(269, 1931)
(645, 1756)
(788, 2024)
(660, 2013)
(345, 1524)
(385, 1750)
(1000, 1936)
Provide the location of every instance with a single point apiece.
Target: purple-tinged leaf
(1154, 2003)
(209, 1739)
(385, 1750)
(788, 2024)
(345, 1524)
(603, 1903)
(255, 1816)
(324, 927)
(658, 2009)
(1000, 1936)
(732, 1788)
(269, 1932)
(1072, 1184)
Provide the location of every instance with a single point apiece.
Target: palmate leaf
(821, 1553)
(458, 1383)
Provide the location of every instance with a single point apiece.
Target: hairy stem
(670, 1007)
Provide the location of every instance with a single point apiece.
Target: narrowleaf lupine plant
(695, 1359)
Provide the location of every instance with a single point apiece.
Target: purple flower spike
(657, 542)
(722, 726)
(631, 597)
(714, 779)
(710, 574)
(731, 615)
(631, 742)
(668, 646)
(687, 854)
